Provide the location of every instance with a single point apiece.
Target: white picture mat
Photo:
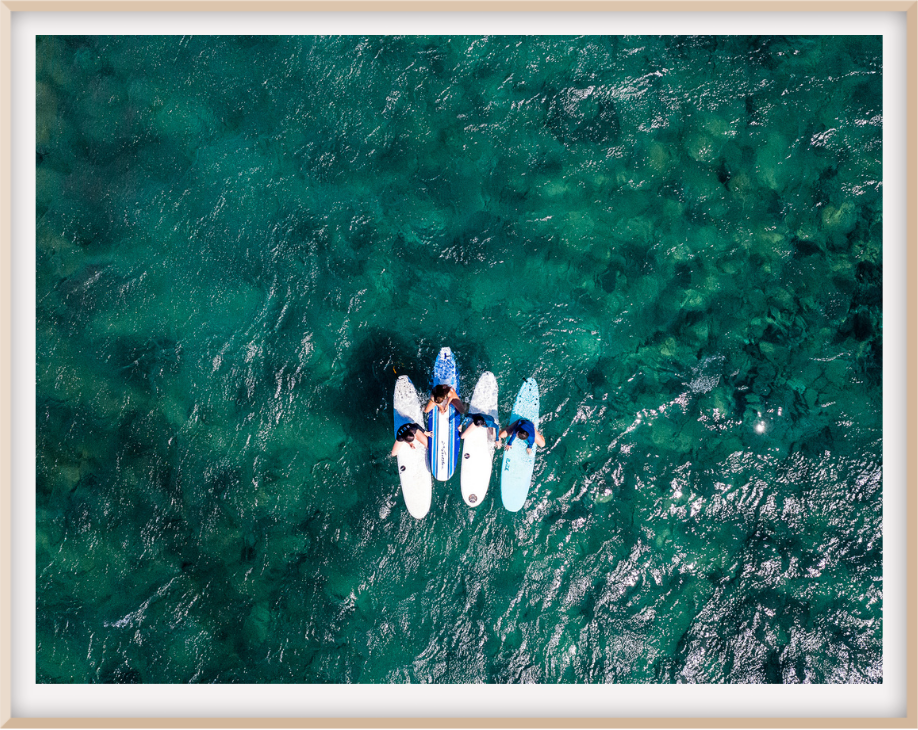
(883, 700)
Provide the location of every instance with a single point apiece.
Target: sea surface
(243, 242)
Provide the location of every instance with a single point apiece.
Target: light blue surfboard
(445, 441)
(516, 472)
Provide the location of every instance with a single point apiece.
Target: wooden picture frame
(9, 9)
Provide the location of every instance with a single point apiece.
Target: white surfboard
(478, 446)
(413, 472)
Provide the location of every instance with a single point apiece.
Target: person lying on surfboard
(406, 434)
(479, 420)
(443, 397)
(524, 429)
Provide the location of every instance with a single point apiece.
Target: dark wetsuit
(405, 429)
(526, 426)
(489, 422)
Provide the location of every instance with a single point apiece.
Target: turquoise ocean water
(242, 242)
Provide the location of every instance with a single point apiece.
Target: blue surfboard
(445, 441)
(516, 472)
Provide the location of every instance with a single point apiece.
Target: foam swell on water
(243, 242)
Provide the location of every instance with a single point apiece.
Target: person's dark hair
(523, 434)
(478, 419)
(440, 392)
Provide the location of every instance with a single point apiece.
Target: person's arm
(510, 433)
(430, 404)
(454, 400)
(540, 439)
(395, 448)
(468, 429)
